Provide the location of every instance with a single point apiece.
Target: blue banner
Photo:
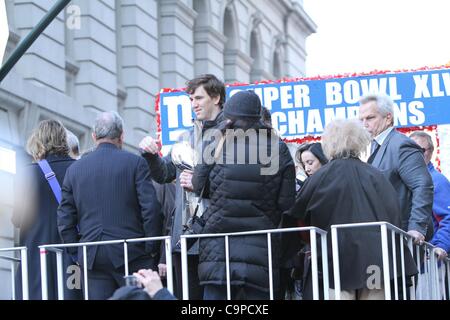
(304, 108)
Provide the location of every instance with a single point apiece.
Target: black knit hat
(243, 104)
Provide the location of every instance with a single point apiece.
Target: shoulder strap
(51, 179)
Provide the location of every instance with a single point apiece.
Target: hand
(162, 270)
(186, 180)
(441, 253)
(418, 238)
(149, 145)
(150, 280)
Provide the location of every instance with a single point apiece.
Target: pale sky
(364, 35)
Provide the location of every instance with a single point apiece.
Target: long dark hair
(315, 149)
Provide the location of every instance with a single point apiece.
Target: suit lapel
(380, 154)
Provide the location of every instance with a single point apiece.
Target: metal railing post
(184, 269)
(421, 278)
(412, 290)
(326, 280)
(315, 268)
(433, 276)
(24, 260)
(402, 261)
(385, 253)
(394, 260)
(125, 257)
(168, 249)
(227, 267)
(44, 281)
(13, 280)
(85, 275)
(269, 254)
(59, 270)
(336, 272)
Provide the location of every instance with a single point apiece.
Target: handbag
(195, 223)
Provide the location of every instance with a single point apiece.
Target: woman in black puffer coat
(245, 195)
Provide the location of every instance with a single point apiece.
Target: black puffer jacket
(242, 199)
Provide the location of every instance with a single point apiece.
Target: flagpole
(31, 37)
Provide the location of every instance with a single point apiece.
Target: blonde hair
(343, 139)
(48, 138)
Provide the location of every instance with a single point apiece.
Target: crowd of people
(245, 182)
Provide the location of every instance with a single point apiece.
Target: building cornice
(296, 11)
(303, 19)
(238, 58)
(177, 9)
(210, 35)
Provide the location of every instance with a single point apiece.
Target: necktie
(373, 151)
(374, 147)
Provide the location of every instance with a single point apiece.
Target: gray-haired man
(401, 161)
(109, 195)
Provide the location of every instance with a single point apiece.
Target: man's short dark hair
(213, 86)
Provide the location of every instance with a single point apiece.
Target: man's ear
(216, 100)
(390, 118)
(122, 136)
(94, 137)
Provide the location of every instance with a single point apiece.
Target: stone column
(138, 68)
(209, 46)
(176, 43)
(94, 52)
(43, 63)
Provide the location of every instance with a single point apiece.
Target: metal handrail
(431, 270)
(57, 248)
(24, 270)
(314, 254)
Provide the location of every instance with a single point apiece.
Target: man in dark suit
(401, 161)
(109, 195)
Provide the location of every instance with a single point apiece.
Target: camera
(131, 280)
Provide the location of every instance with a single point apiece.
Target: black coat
(35, 216)
(166, 197)
(242, 199)
(350, 191)
(109, 194)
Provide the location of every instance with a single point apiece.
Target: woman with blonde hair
(347, 190)
(38, 193)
